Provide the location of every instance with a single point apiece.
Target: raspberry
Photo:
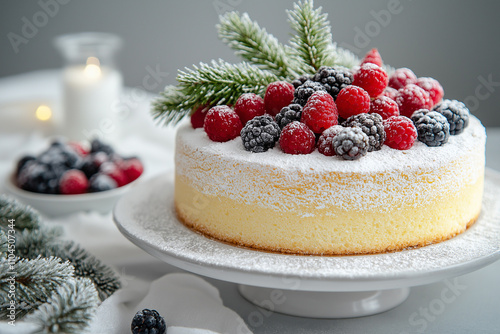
(73, 182)
(300, 80)
(350, 143)
(304, 91)
(371, 78)
(260, 134)
(373, 56)
(248, 106)
(222, 124)
(333, 79)
(384, 106)
(325, 141)
(400, 131)
(433, 87)
(390, 92)
(372, 125)
(352, 100)
(278, 95)
(402, 77)
(412, 98)
(114, 172)
(320, 112)
(456, 113)
(297, 138)
(132, 168)
(198, 116)
(433, 129)
(79, 148)
(148, 321)
(288, 114)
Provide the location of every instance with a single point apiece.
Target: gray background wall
(456, 42)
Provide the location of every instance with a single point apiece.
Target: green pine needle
(168, 108)
(70, 308)
(4, 244)
(311, 45)
(254, 44)
(25, 217)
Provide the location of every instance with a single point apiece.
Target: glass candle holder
(91, 85)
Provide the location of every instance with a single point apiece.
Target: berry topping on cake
(384, 106)
(297, 138)
(390, 92)
(417, 114)
(325, 141)
(148, 322)
(412, 98)
(433, 87)
(402, 77)
(73, 182)
(372, 125)
(278, 95)
(300, 80)
(304, 91)
(433, 129)
(401, 132)
(198, 116)
(101, 182)
(351, 143)
(352, 100)
(456, 113)
(260, 134)
(371, 78)
(333, 79)
(132, 168)
(373, 56)
(288, 114)
(320, 112)
(248, 106)
(222, 124)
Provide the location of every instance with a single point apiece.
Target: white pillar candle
(90, 91)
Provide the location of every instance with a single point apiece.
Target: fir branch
(25, 217)
(311, 45)
(35, 280)
(70, 308)
(254, 44)
(31, 244)
(4, 244)
(344, 57)
(168, 108)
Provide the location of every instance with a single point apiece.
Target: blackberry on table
(148, 322)
(351, 143)
(333, 79)
(456, 113)
(433, 129)
(300, 80)
(260, 134)
(288, 114)
(304, 91)
(372, 125)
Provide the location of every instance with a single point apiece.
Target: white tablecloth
(477, 308)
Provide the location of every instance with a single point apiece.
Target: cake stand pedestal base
(319, 304)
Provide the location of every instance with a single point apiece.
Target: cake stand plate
(310, 286)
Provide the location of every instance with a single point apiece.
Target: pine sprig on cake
(254, 44)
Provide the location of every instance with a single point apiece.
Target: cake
(309, 150)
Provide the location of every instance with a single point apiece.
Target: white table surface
(472, 307)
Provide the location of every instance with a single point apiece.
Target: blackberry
(148, 322)
(260, 134)
(300, 80)
(101, 182)
(433, 129)
(288, 114)
(372, 125)
(98, 146)
(351, 143)
(418, 114)
(304, 91)
(23, 162)
(38, 177)
(456, 113)
(333, 79)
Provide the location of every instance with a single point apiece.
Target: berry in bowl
(71, 177)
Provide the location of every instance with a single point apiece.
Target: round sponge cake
(313, 204)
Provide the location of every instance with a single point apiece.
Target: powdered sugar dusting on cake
(387, 175)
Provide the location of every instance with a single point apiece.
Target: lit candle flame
(93, 69)
(43, 113)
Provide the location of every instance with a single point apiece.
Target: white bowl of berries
(71, 177)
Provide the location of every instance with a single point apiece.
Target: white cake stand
(309, 286)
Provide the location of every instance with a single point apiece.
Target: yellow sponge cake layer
(313, 204)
